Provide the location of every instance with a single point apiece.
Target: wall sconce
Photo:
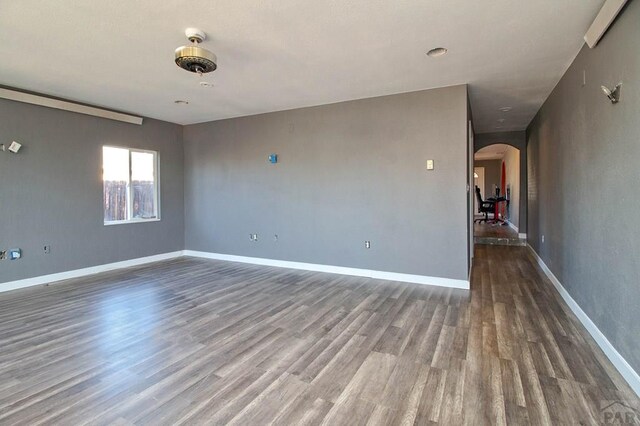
(613, 95)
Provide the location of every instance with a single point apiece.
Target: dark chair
(485, 207)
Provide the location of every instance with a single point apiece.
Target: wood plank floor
(493, 230)
(194, 341)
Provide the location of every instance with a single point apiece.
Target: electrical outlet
(253, 237)
(47, 249)
(543, 239)
(367, 244)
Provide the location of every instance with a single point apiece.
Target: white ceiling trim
(14, 95)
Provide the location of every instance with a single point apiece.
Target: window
(130, 181)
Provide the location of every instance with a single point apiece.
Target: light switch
(15, 147)
(429, 164)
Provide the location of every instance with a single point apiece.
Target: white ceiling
(276, 55)
(491, 152)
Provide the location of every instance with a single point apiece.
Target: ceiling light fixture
(501, 120)
(194, 58)
(505, 109)
(181, 102)
(438, 51)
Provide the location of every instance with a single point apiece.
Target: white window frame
(156, 180)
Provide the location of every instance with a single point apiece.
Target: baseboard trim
(627, 372)
(383, 275)
(521, 235)
(47, 279)
(368, 273)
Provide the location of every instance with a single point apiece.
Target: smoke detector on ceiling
(194, 58)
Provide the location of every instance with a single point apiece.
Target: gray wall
(347, 172)
(51, 192)
(512, 180)
(492, 171)
(518, 140)
(584, 180)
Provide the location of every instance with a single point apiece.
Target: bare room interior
(319, 213)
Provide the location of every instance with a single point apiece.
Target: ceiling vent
(194, 58)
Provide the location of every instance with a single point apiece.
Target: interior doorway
(497, 201)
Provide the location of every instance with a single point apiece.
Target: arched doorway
(498, 188)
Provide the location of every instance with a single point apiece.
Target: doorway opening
(497, 195)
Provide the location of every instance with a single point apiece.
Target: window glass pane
(143, 165)
(115, 176)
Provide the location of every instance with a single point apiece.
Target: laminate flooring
(493, 230)
(194, 341)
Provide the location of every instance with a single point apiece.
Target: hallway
(538, 363)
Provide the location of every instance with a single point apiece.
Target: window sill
(128, 222)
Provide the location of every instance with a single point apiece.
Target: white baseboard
(391, 276)
(46, 279)
(383, 275)
(627, 372)
(521, 235)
